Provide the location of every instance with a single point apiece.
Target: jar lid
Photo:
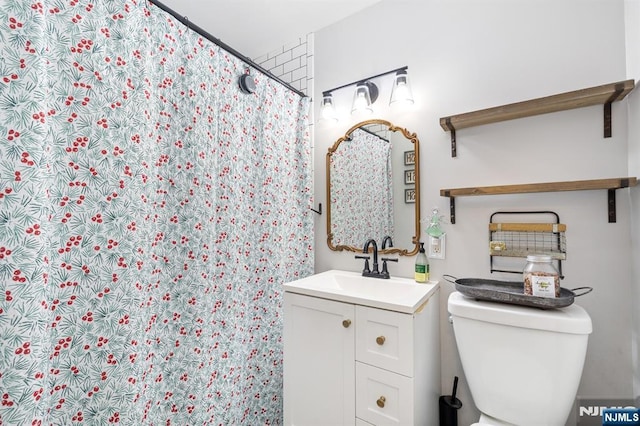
(538, 258)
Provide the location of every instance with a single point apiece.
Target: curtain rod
(364, 129)
(190, 25)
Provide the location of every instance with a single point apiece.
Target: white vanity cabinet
(319, 372)
(347, 363)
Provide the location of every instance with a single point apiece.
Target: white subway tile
(299, 51)
(310, 45)
(260, 59)
(293, 64)
(296, 84)
(299, 73)
(286, 77)
(277, 71)
(310, 66)
(293, 44)
(269, 64)
(275, 52)
(283, 57)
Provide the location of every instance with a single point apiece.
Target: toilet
(522, 365)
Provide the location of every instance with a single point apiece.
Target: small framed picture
(409, 158)
(409, 177)
(410, 195)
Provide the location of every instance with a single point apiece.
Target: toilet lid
(572, 319)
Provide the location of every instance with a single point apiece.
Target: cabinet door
(319, 361)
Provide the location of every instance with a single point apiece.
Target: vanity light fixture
(401, 91)
(366, 94)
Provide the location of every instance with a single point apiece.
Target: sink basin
(395, 294)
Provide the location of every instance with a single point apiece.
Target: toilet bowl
(522, 365)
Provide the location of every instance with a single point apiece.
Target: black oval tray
(512, 292)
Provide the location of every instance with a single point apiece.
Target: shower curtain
(149, 213)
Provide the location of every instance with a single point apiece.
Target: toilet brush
(449, 406)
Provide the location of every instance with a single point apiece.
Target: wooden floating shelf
(605, 94)
(577, 99)
(579, 185)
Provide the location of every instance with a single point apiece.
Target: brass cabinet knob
(380, 340)
(381, 401)
(346, 323)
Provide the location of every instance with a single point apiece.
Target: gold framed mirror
(373, 189)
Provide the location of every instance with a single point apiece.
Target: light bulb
(327, 111)
(361, 100)
(401, 92)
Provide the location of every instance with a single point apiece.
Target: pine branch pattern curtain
(149, 212)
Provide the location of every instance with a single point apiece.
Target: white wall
(632, 14)
(465, 55)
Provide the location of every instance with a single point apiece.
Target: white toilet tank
(523, 365)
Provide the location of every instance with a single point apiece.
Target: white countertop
(394, 294)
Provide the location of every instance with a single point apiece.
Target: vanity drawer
(385, 339)
(383, 397)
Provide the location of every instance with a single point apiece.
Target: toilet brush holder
(449, 406)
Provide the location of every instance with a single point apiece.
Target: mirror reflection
(373, 189)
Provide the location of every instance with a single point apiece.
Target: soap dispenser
(421, 266)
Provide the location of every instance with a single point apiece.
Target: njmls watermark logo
(621, 416)
(607, 412)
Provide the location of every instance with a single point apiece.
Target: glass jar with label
(541, 278)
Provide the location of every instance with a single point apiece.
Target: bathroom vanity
(361, 351)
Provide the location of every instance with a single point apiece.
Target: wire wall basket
(520, 239)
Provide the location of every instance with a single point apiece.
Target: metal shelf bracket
(619, 88)
(611, 203)
(453, 136)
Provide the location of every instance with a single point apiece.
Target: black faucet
(384, 242)
(374, 272)
(366, 272)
